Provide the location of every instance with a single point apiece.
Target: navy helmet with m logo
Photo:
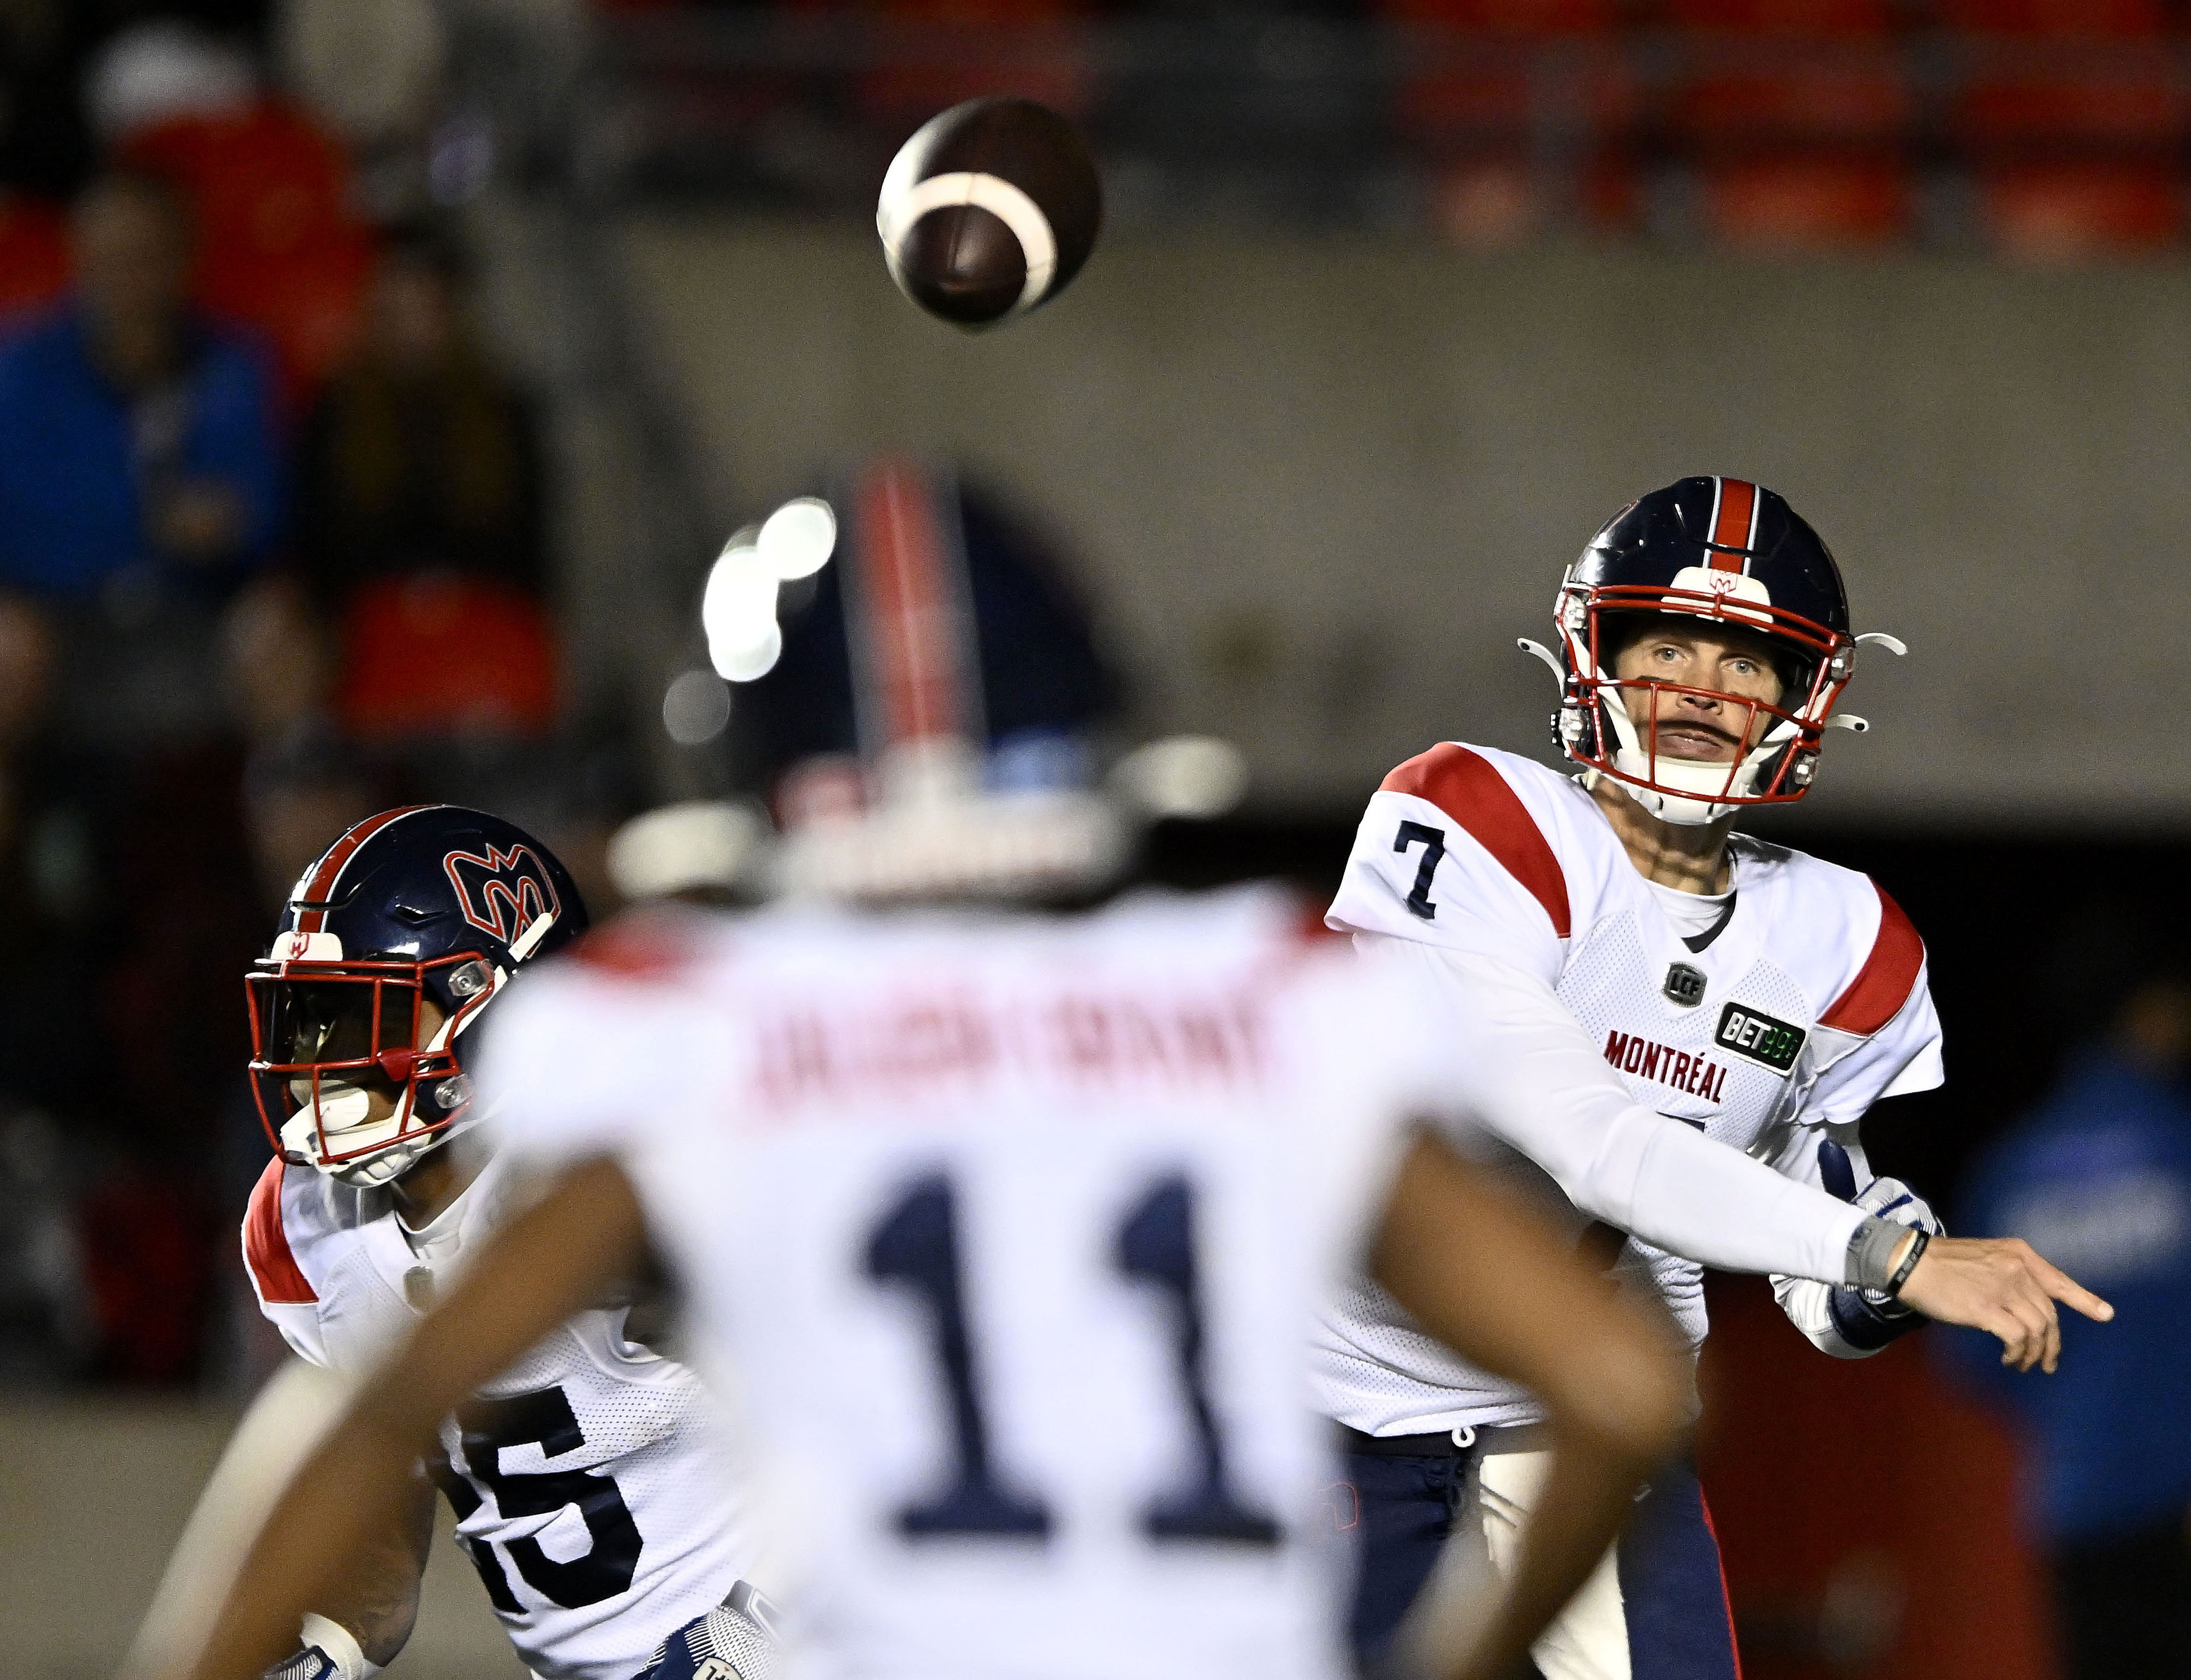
(390, 948)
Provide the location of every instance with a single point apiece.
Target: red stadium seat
(1513, 17)
(1022, 47)
(278, 246)
(1475, 113)
(2073, 209)
(1806, 203)
(2076, 152)
(1803, 144)
(2114, 105)
(34, 254)
(2112, 18)
(1816, 18)
(1490, 201)
(435, 655)
(1846, 100)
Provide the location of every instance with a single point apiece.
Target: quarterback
(584, 1491)
(1678, 1029)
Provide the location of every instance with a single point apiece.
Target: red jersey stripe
(1886, 979)
(1737, 512)
(657, 943)
(266, 1244)
(1464, 785)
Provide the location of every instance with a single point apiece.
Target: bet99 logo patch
(1755, 1036)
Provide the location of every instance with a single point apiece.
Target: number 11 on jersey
(916, 1245)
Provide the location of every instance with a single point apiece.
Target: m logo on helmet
(504, 892)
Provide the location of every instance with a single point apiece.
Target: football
(989, 210)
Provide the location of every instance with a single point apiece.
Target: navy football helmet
(1720, 549)
(390, 947)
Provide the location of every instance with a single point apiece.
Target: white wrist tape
(341, 1646)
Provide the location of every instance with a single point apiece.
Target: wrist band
(340, 1645)
(1921, 1240)
(1871, 1250)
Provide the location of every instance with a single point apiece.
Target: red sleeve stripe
(655, 943)
(266, 1244)
(1735, 522)
(1888, 977)
(1464, 785)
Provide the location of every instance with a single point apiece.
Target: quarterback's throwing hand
(2004, 1286)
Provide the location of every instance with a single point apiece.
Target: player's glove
(1868, 1319)
(737, 1640)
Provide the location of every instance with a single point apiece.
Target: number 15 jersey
(1007, 1235)
(586, 1493)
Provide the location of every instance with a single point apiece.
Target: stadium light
(695, 707)
(797, 539)
(738, 609)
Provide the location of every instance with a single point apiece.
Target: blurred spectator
(280, 246)
(138, 473)
(303, 782)
(162, 69)
(421, 517)
(2099, 1180)
(48, 1032)
(46, 1331)
(420, 457)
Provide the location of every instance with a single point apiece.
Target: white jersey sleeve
(1451, 854)
(593, 1054)
(286, 1295)
(1533, 1078)
(1881, 1037)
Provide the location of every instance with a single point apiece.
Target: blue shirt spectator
(134, 437)
(2099, 1181)
(88, 469)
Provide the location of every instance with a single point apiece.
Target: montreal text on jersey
(1698, 1075)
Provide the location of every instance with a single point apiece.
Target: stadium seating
(976, 57)
(1477, 111)
(1795, 120)
(427, 655)
(34, 260)
(2076, 151)
(278, 245)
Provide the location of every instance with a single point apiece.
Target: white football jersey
(1007, 1235)
(1767, 1033)
(588, 1490)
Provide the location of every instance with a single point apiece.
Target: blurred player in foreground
(1681, 1026)
(585, 1492)
(1006, 1235)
